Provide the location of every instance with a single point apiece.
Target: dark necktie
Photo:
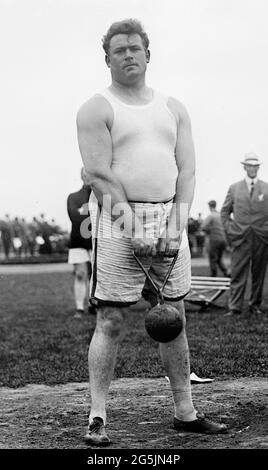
(251, 188)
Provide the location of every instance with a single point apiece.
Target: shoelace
(200, 416)
(96, 424)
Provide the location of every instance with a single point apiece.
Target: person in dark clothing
(6, 235)
(46, 232)
(216, 239)
(17, 236)
(80, 244)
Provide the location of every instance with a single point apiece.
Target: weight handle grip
(169, 271)
(159, 290)
(156, 288)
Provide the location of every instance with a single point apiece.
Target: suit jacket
(248, 214)
(77, 214)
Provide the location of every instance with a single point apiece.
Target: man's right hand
(143, 246)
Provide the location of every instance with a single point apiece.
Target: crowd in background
(196, 236)
(21, 238)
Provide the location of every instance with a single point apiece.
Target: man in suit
(247, 231)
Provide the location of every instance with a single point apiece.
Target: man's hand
(168, 245)
(144, 246)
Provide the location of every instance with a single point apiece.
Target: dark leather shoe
(201, 425)
(232, 313)
(255, 309)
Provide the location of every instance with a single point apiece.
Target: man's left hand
(168, 245)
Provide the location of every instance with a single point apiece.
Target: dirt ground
(140, 413)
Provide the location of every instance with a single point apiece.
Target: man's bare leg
(176, 360)
(175, 356)
(80, 285)
(102, 356)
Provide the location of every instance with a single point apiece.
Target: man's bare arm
(95, 145)
(185, 159)
(94, 120)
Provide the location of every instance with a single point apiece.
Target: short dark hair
(212, 204)
(129, 26)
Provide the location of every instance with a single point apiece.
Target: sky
(209, 54)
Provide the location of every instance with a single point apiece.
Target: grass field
(41, 342)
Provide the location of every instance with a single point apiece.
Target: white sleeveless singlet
(144, 140)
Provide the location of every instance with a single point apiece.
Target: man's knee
(110, 321)
(179, 305)
(81, 271)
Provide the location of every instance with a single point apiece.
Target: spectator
(80, 247)
(17, 236)
(6, 236)
(247, 231)
(216, 240)
(200, 236)
(192, 230)
(46, 232)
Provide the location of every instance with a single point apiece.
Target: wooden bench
(205, 290)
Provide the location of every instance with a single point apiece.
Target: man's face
(127, 57)
(252, 170)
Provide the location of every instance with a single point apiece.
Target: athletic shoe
(201, 425)
(96, 434)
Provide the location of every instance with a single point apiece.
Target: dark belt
(153, 202)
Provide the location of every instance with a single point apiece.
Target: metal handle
(159, 290)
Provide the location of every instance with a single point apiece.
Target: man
(17, 239)
(80, 246)
(137, 149)
(247, 231)
(216, 240)
(6, 230)
(200, 236)
(193, 227)
(45, 228)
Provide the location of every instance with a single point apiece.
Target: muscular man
(137, 148)
(245, 219)
(80, 246)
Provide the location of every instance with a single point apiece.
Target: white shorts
(79, 255)
(117, 278)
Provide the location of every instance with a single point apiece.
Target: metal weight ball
(163, 323)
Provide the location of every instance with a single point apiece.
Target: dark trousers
(252, 252)
(6, 245)
(215, 254)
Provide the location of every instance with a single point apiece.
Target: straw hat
(251, 159)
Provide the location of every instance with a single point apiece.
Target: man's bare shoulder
(178, 109)
(95, 110)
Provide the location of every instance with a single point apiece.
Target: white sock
(183, 406)
(79, 293)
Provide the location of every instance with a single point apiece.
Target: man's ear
(148, 55)
(107, 60)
